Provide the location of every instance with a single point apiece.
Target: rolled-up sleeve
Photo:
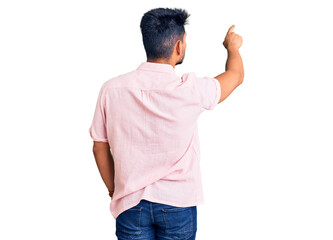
(97, 129)
(209, 91)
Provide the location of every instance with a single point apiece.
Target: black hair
(161, 28)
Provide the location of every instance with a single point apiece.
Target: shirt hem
(188, 204)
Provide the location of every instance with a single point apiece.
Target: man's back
(149, 117)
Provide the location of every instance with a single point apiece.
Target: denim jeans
(155, 221)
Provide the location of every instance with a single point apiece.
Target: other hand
(232, 40)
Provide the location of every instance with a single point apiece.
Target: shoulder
(189, 79)
(118, 81)
(190, 76)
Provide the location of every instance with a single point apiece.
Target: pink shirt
(149, 118)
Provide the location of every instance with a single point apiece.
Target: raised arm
(234, 71)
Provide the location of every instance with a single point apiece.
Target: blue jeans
(155, 221)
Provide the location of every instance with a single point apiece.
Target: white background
(266, 151)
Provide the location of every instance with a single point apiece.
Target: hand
(232, 40)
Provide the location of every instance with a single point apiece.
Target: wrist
(111, 193)
(232, 50)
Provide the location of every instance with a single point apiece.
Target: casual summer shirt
(149, 118)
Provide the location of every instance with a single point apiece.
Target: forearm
(234, 62)
(105, 164)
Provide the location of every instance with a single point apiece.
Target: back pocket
(178, 222)
(128, 223)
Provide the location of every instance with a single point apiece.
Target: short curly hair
(161, 28)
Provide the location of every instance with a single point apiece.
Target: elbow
(241, 77)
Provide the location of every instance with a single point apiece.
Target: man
(145, 134)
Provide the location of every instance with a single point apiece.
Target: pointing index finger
(231, 28)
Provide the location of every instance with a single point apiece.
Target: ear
(178, 47)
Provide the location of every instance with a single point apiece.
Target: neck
(164, 61)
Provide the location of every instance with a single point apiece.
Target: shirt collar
(156, 67)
